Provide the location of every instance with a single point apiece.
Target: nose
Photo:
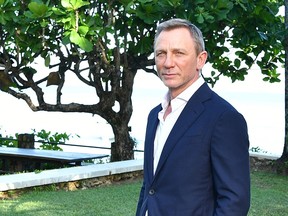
(169, 61)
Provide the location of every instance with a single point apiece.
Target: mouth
(168, 75)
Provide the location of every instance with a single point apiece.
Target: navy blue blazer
(204, 166)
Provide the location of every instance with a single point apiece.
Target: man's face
(177, 62)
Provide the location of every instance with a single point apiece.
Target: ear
(201, 60)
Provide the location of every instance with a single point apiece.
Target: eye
(160, 54)
(179, 53)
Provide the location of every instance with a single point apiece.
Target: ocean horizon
(261, 103)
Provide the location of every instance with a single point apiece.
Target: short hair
(196, 33)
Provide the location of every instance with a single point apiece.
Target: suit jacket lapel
(192, 110)
(149, 141)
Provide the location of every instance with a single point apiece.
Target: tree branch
(24, 97)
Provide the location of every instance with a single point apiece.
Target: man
(196, 160)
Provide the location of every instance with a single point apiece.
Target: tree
(284, 157)
(106, 42)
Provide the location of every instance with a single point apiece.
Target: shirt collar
(186, 94)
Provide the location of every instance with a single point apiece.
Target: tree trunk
(282, 161)
(285, 149)
(122, 148)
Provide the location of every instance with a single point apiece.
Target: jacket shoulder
(211, 98)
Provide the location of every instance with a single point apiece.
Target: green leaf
(1, 2)
(73, 4)
(66, 39)
(199, 1)
(82, 42)
(38, 9)
(29, 70)
(58, 11)
(2, 20)
(74, 37)
(44, 23)
(208, 17)
(83, 30)
(79, 3)
(85, 44)
(47, 60)
(237, 63)
(174, 3)
(66, 4)
(200, 18)
(126, 2)
(144, 45)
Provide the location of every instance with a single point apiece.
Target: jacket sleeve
(230, 164)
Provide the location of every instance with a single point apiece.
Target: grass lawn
(269, 197)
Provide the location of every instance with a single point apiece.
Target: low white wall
(24, 180)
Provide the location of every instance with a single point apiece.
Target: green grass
(269, 198)
(114, 200)
(269, 195)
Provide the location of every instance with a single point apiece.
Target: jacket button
(151, 191)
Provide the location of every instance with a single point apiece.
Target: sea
(261, 103)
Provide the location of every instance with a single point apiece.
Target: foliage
(50, 141)
(8, 141)
(257, 150)
(105, 42)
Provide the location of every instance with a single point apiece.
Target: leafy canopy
(238, 33)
